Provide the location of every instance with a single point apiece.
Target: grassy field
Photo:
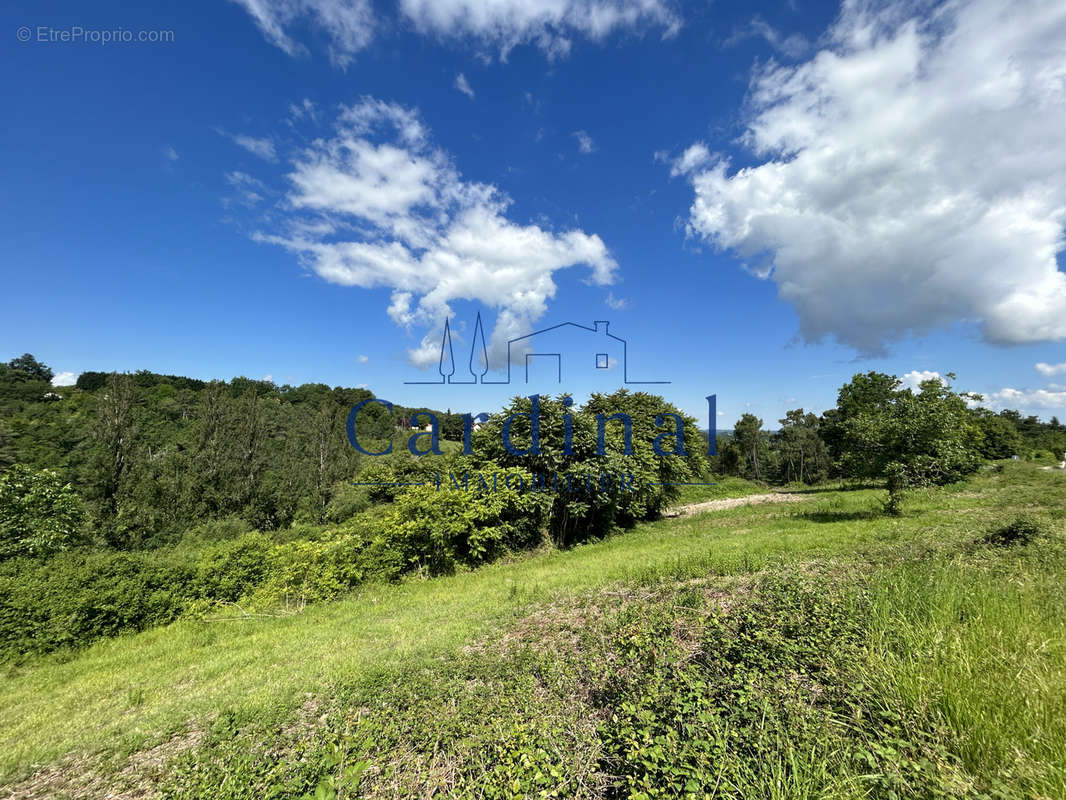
(804, 649)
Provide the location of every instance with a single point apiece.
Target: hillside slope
(277, 706)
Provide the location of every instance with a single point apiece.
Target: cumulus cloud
(347, 24)
(65, 378)
(1050, 370)
(616, 303)
(695, 157)
(915, 378)
(463, 85)
(171, 154)
(551, 25)
(1025, 399)
(363, 359)
(378, 205)
(912, 175)
(584, 142)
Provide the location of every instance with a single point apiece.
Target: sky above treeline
(761, 199)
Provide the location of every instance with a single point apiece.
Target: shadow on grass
(839, 516)
(850, 487)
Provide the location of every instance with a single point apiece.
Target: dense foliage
(39, 514)
(880, 430)
(130, 500)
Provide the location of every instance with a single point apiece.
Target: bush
(77, 597)
(387, 477)
(214, 532)
(438, 529)
(325, 569)
(39, 514)
(347, 501)
(1020, 531)
(232, 570)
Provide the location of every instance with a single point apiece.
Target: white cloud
(463, 85)
(912, 175)
(584, 142)
(264, 148)
(250, 190)
(363, 359)
(914, 379)
(171, 154)
(378, 205)
(305, 108)
(1025, 399)
(791, 46)
(617, 303)
(549, 24)
(348, 24)
(500, 25)
(1048, 370)
(695, 157)
(65, 378)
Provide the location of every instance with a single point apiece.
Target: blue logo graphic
(541, 346)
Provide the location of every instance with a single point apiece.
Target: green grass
(724, 486)
(979, 645)
(968, 637)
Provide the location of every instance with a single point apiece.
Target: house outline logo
(479, 361)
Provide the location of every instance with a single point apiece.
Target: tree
(863, 394)
(999, 436)
(228, 454)
(909, 439)
(7, 446)
(747, 434)
(31, 366)
(592, 502)
(113, 439)
(803, 455)
(39, 513)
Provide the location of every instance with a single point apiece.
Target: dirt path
(733, 502)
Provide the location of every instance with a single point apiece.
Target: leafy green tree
(592, 501)
(751, 446)
(802, 455)
(114, 436)
(39, 513)
(999, 436)
(910, 440)
(228, 456)
(32, 367)
(7, 446)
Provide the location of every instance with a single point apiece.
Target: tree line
(882, 430)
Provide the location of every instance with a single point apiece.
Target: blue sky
(763, 199)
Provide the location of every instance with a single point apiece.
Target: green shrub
(387, 477)
(214, 531)
(320, 570)
(1020, 531)
(39, 514)
(231, 570)
(347, 501)
(77, 597)
(438, 529)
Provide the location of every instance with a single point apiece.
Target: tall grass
(978, 644)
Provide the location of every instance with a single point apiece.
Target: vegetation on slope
(817, 649)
